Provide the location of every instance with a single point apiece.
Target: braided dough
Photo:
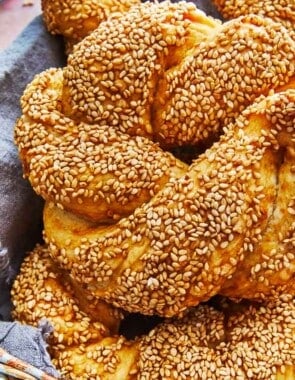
(233, 211)
(182, 232)
(128, 226)
(63, 133)
(282, 11)
(240, 341)
(121, 172)
(76, 19)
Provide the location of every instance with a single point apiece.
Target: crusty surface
(83, 347)
(75, 19)
(103, 164)
(74, 134)
(179, 248)
(246, 58)
(282, 11)
(271, 265)
(243, 341)
(92, 170)
(236, 342)
(182, 98)
(112, 76)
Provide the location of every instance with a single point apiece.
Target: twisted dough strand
(270, 266)
(93, 168)
(282, 11)
(179, 248)
(203, 229)
(222, 76)
(94, 171)
(112, 77)
(195, 225)
(42, 291)
(76, 19)
(176, 97)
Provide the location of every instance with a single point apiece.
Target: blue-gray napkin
(33, 51)
(28, 344)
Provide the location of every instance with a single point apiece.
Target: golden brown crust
(220, 78)
(223, 225)
(270, 266)
(181, 247)
(94, 171)
(113, 75)
(245, 340)
(195, 225)
(82, 346)
(236, 342)
(91, 167)
(282, 11)
(113, 173)
(75, 19)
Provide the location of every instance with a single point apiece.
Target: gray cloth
(20, 209)
(28, 344)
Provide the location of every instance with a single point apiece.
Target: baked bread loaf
(233, 211)
(76, 19)
(124, 167)
(282, 11)
(89, 142)
(128, 227)
(240, 341)
(111, 120)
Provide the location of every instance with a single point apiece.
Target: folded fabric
(20, 209)
(28, 344)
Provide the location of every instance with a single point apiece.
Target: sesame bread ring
(74, 135)
(237, 341)
(180, 248)
(282, 11)
(84, 345)
(76, 19)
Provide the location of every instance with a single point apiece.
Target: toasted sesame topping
(74, 135)
(282, 11)
(248, 57)
(112, 76)
(178, 249)
(81, 345)
(94, 170)
(76, 19)
(92, 167)
(41, 289)
(271, 266)
(223, 341)
(239, 342)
